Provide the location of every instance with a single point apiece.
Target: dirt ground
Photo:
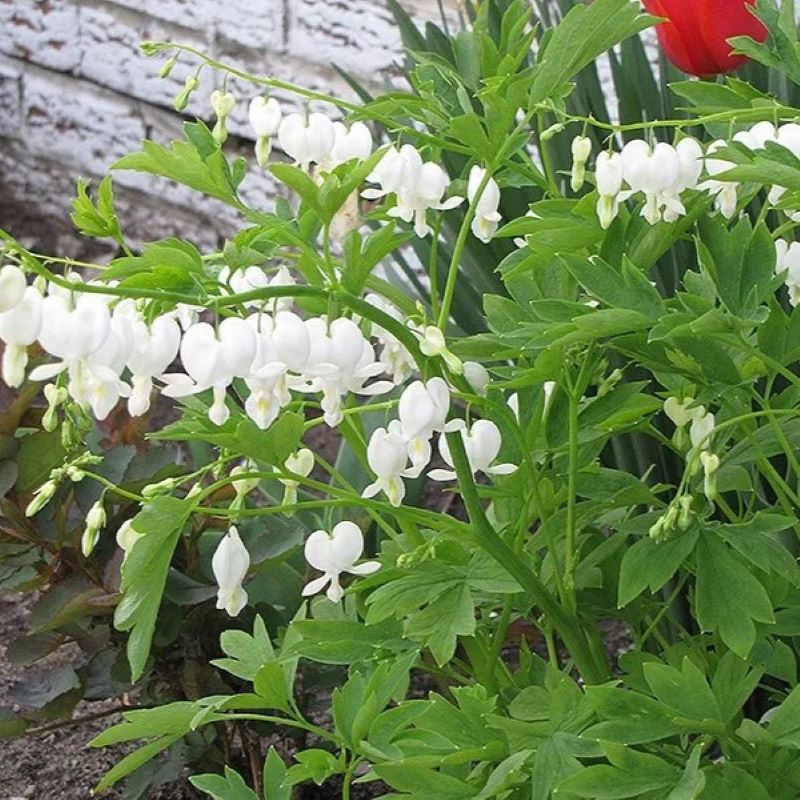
(57, 764)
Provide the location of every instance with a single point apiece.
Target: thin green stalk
(589, 666)
(570, 542)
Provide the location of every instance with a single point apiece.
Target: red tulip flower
(695, 33)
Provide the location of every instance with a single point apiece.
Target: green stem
(590, 667)
(570, 543)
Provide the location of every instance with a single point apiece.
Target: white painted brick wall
(76, 93)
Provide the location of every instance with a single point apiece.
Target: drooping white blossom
(334, 553)
(482, 443)
(212, 360)
(387, 457)
(229, 564)
(155, 347)
(265, 119)
(418, 186)
(12, 286)
(608, 179)
(422, 411)
(350, 143)
(487, 217)
(307, 140)
(20, 325)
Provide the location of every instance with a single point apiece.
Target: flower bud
(95, 521)
(41, 497)
(243, 486)
(432, 343)
(127, 536)
(222, 103)
(162, 487)
(182, 98)
(300, 463)
(581, 150)
(166, 68)
(477, 377)
(710, 463)
(685, 516)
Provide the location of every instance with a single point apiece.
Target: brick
(10, 99)
(250, 23)
(111, 56)
(44, 32)
(83, 127)
(359, 36)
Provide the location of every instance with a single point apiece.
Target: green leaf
(727, 781)
(197, 162)
(629, 717)
(685, 691)
(144, 574)
(648, 563)
(96, 219)
(626, 287)
(632, 774)
(245, 653)
(728, 597)
(583, 34)
(275, 773)
(784, 722)
(229, 787)
(420, 782)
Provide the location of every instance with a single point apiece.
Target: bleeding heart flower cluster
(660, 174)
(403, 448)
(108, 349)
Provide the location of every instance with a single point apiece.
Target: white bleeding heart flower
(724, 192)
(212, 360)
(702, 428)
(680, 412)
(19, 327)
(690, 165)
(80, 335)
(12, 287)
(307, 140)
(350, 143)
(482, 444)
(608, 180)
(334, 553)
(155, 347)
(265, 119)
(394, 355)
(422, 411)
(417, 186)
(264, 115)
(387, 456)
(229, 564)
(787, 261)
(487, 217)
(282, 348)
(301, 464)
(651, 172)
(244, 280)
(126, 537)
(341, 360)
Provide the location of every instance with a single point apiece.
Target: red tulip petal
(680, 36)
(723, 19)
